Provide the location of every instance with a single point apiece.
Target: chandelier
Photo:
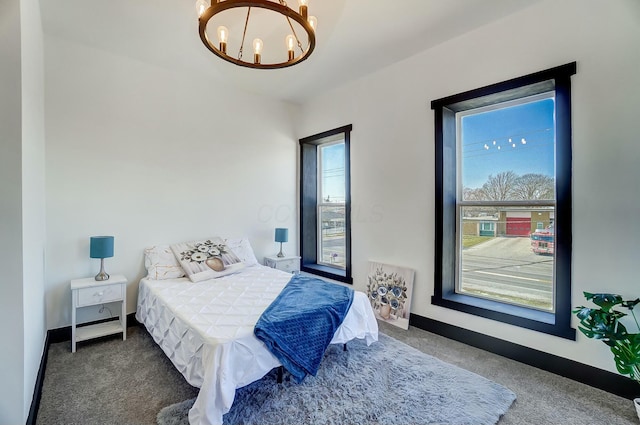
(273, 17)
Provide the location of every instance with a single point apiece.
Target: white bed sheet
(206, 330)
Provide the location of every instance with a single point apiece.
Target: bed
(206, 330)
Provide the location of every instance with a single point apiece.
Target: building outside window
(504, 151)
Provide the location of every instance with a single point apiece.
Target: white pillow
(208, 258)
(242, 248)
(161, 263)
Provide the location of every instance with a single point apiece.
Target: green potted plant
(603, 323)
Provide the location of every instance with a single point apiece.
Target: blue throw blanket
(299, 325)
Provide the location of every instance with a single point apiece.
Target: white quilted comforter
(206, 329)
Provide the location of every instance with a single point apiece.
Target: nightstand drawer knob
(101, 293)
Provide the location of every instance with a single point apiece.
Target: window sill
(327, 272)
(536, 320)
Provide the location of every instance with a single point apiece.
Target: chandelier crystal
(281, 18)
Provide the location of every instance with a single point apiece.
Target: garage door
(518, 226)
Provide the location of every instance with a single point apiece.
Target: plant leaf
(626, 354)
(600, 324)
(604, 301)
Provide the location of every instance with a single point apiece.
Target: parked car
(542, 241)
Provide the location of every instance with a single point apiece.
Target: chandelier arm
(244, 33)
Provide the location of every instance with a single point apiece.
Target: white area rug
(386, 383)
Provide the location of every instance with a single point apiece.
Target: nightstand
(88, 292)
(287, 263)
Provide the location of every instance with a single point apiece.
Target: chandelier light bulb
(290, 42)
(223, 36)
(313, 21)
(201, 6)
(257, 46)
(257, 50)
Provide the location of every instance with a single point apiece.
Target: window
(503, 160)
(325, 205)
(487, 228)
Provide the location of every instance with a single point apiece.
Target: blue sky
(492, 142)
(333, 172)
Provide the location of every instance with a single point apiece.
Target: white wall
(33, 194)
(21, 206)
(11, 312)
(153, 156)
(392, 150)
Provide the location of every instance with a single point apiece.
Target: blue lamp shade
(101, 247)
(282, 235)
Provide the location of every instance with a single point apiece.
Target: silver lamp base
(280, 254)
(102, 275)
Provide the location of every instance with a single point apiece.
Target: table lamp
(282, 235)
(101, 247)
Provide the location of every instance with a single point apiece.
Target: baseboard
(592, 376)
(64, 334)
(37, 391)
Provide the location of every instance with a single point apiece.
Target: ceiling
(354, 37)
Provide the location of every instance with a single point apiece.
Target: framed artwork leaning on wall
(389, 289)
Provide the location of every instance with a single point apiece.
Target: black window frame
(556, 323)
(308, 205)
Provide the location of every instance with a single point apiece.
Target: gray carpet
(115, 382)
(387, 383)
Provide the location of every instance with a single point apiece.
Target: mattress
(206, 330)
